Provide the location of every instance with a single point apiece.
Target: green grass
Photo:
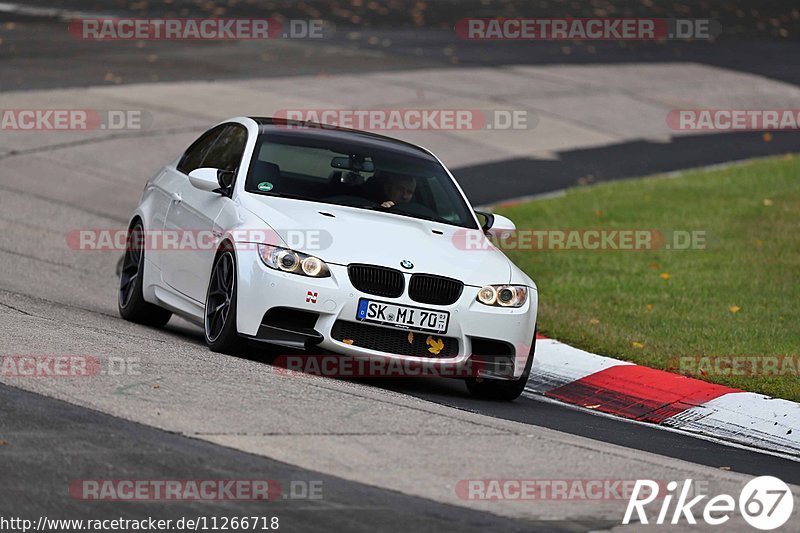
(751, 216)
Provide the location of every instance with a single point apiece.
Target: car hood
(352, 235)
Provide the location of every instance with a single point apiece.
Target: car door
(193, 212)
(166, 187)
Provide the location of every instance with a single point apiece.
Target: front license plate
(402, 316)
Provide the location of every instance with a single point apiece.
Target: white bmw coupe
(311, 236)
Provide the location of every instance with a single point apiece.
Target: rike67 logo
(765, 503)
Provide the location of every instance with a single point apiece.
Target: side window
(196, 153)
(227, 151)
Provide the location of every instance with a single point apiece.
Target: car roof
(314, 131)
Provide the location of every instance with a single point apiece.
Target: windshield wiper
(287, 195)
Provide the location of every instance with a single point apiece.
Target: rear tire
(219, 324)
(502, 390)
(130, 300)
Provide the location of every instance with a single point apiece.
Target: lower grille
(493, 357)
(490, 347)
(436, 290)
(376, 280)
(393, 341)
(288, 318)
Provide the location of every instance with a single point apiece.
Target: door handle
(176, 197)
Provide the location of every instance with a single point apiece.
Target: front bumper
(335, 299)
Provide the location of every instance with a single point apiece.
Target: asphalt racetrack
(388, 454)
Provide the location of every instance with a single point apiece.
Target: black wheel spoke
(218, 301)
(130, 266)
(212, 327)
(128, 284)
(128, 291)
(131, 279)
(215, 292)
(220, 280)
(225, 274)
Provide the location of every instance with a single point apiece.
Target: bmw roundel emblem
(405, 263)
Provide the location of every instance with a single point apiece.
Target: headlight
(503, 295)
(487, 295)
(287, 260)
(313, 267)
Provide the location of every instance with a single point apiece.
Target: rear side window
(227, 151)
(196, 153)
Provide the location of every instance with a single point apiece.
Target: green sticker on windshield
(265, 186)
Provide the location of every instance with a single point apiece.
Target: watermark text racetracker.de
(554, 490)
(347, 367)
(116, 239)
(67, 366)
(208, 490)
(410, 119)
(180, 29)
(586, 239)
(736, 365)
(733, 119)
(586, 29)
(39, 119)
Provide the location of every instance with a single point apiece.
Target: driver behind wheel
(399, 189)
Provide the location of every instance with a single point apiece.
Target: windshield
(366, 177)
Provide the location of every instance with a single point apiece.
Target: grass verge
(724, 311)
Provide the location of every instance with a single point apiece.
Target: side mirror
(211, 179)
(502, 223)
(495, 226)
(486, 220)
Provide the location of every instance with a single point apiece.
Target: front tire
(219, 324)
(502, 390)
(130, 300)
